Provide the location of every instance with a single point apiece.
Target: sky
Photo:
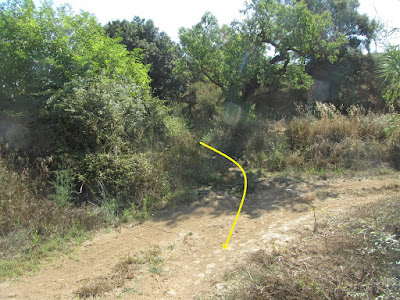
(170, 15)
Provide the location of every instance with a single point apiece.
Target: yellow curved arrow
(225, 245)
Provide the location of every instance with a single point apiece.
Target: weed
(31, 257)
(63, 186)
(128, 268)
(33, 227)
(355, 255)
(142, 215)
(155, 269)
(36, 238)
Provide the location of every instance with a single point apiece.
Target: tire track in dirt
(191, 238)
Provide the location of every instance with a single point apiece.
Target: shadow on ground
(264, 194)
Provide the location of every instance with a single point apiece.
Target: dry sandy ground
(191, 239)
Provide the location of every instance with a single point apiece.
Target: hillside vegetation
(101, 125)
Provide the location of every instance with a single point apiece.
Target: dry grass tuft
(128, 268)
(95, 287)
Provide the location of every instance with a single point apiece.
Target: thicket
(112, 117)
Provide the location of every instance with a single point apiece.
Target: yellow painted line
(225, 245)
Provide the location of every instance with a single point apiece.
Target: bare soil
(191, 238)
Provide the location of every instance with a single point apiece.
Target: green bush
(63, 187)
(206, 103)
(98, 114)
(126, 178)
(181, 157)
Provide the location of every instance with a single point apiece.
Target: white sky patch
(170, 15)
(387, 12)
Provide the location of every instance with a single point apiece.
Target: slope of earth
(189, 259)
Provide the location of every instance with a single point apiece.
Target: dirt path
(191, 239)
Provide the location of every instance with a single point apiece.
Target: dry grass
(324, 140)
(353, 256)
(31, 227)
(127, 269)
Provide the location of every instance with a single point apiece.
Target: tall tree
(358, 28)
(390, 70)
(158, 50)
(353, 69)
(239, 58)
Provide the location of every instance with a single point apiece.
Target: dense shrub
(205, 100)
(126, 178)
(98, 113)
(103, 127)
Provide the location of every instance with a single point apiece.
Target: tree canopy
(42, 48)
(270, 47)
(358, 28)
(157, 50)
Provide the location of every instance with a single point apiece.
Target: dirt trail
(191, 238)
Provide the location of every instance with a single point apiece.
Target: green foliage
(120, 179)
(293, 30)
(63, 187)
(236, 57)
(42, 49)
(98, 113)
(36, 238)
(205, 100)
(101, 126)
(352, 78)
(222, 55)
(88, 95)
(157, 51)
(390, 70)
(276, 160)
(181, 158)
(359, 30)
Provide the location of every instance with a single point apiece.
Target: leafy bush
(103, 127)
(42, 49)
(63, 187)
(98, 113)
(181, 158)
(390, 70)
(127, 178)
(206, 103)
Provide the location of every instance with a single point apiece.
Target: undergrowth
(130, 186)
(349, 256)
(32, 227)
(325, 138)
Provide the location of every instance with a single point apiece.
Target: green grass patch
(30, 259)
